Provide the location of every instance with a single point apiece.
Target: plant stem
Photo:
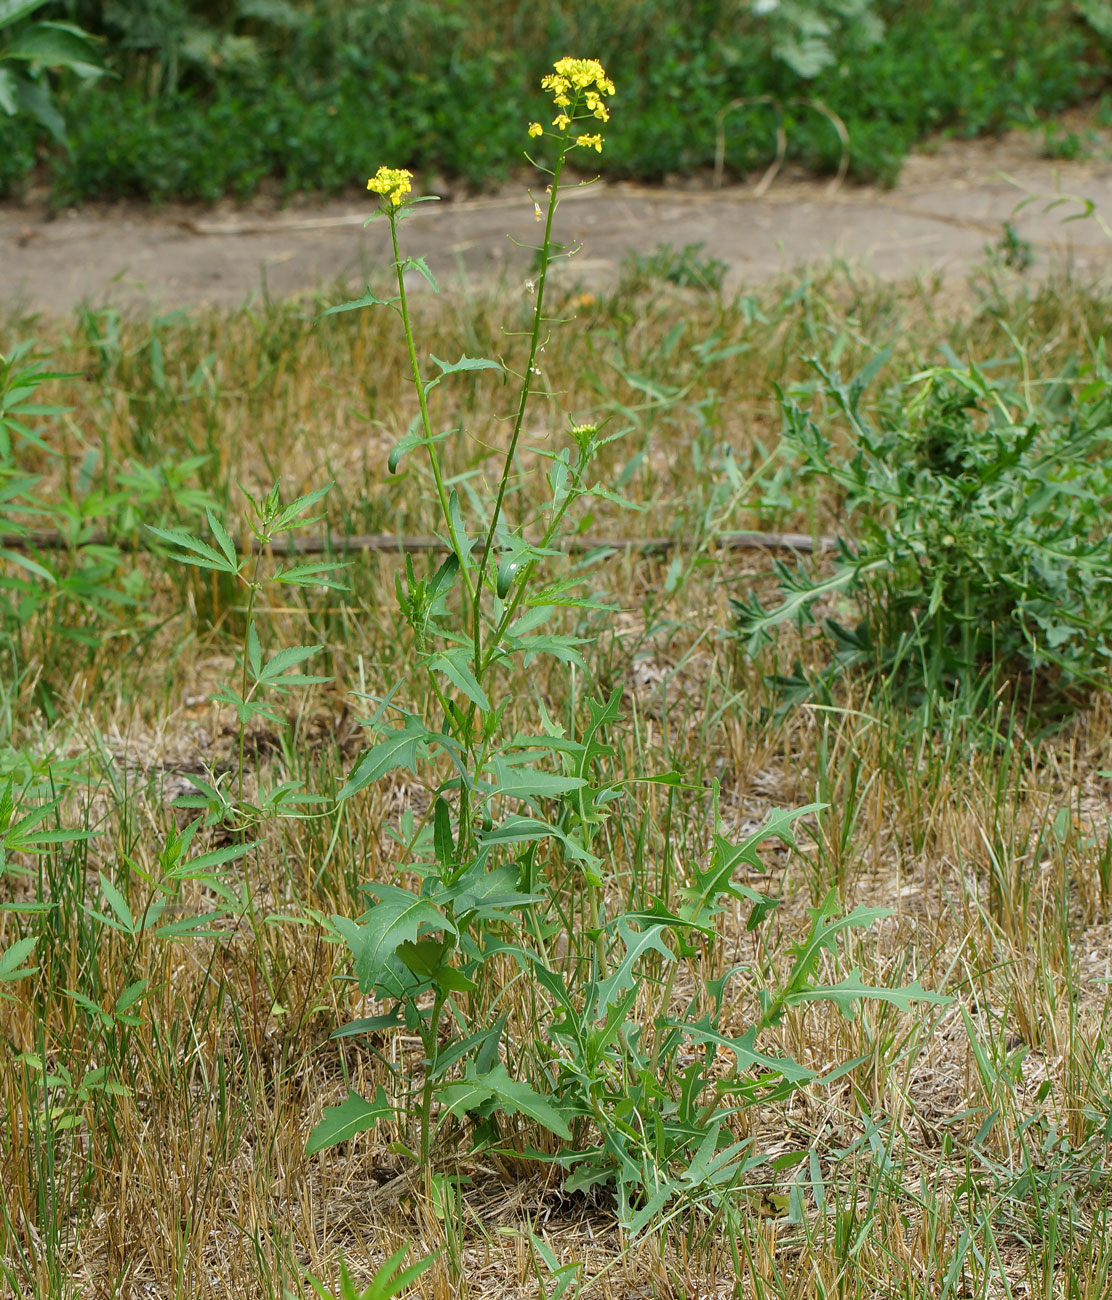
(422, 401)
(522, 583)
(430, 1042)
(252, 591)
(526, 390)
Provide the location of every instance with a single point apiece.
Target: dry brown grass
(950, 1165)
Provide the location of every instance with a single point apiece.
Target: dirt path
(949, 206)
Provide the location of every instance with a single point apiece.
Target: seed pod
(507, 572)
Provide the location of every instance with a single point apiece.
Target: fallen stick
(400, 543)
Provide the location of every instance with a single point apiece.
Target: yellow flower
(578, 87)
(392, 183)
(575, 77)
(581, 73)
(596, 107)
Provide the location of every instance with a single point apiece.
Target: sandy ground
(949, 207)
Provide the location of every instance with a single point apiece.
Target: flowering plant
(491, 810)
(506, 858)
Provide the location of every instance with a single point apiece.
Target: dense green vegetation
(308, 97)
(981, 552)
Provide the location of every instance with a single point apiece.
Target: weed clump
(975, 535)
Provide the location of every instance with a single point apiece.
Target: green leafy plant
(30, 49)
(801, 33)
(647, 1077)
(687, 268)
(167, 43)
(1098, 14)
(1062, 143)
(392, 1279)
(508, 853)
(547, 1267)
(1012, 250)
(425, 951)
(79, 585)
(976, 543)
(263, 680)
(12, 959)
(67, 582)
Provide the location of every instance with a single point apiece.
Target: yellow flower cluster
(575, 84)
(392, 183)
(579, 75)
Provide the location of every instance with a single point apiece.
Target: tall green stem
(522, 583)
(423, 403)
(523, 402)
(430, 1042)
(442, 497)
(252, 590)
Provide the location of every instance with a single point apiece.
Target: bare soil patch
(950, 205)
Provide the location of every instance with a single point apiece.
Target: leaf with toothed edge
(385, 928)
(853, 989)
(398, 748)
(355, 1115)
(512, 1095)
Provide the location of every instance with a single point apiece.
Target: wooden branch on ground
(400, 543)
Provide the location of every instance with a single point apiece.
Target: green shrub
(17, 154)
(439, 85)
(976, 538)
(31, 48)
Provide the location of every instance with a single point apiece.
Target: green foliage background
(212, 99)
